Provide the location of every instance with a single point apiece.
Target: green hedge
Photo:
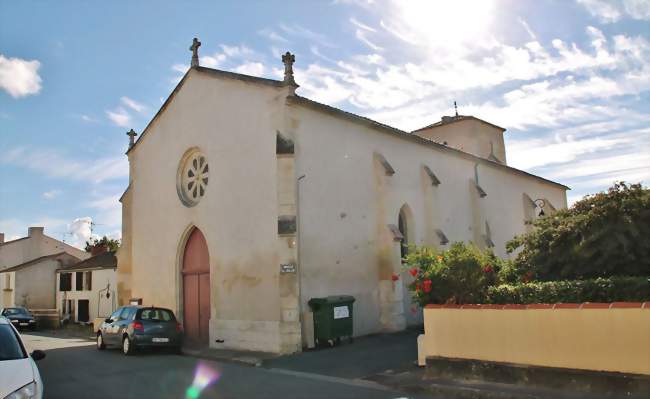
(613, 289)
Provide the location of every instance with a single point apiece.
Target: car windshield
(156, 315)
(16, 312)
(10, 347)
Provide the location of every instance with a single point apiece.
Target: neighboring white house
(32, 284)
(35, 245)
(86, 290)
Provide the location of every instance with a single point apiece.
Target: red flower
(414, 271)
(418, 287)
(427, 286)
(394, 277)
(527, 277)
(487, 269)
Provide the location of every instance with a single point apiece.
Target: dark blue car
(19, 317)
(133, 327)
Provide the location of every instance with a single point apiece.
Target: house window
(88, 281)
(65, 282)
(79, 280)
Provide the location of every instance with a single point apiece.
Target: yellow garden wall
(601, 337)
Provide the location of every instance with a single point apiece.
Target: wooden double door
(196, 288)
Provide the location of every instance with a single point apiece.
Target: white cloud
(526, 27)
(134, 105)
(605, 11)
(87, 118)
(51, 194)
(52, 164)
(273, 35)
(119, 116)
(210, 61)
(609, 11)
(80, 231)
(251, 68)
(19, 77)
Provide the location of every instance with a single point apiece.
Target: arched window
(405, 226)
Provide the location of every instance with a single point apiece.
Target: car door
(110, 329)
(123, 323)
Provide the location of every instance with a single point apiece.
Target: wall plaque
(287, 268)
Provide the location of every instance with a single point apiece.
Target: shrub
(459, 275)
(602, 235)
(613, 289)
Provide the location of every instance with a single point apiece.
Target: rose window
(193, 177)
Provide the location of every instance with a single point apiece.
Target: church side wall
(346, 201)
(234, 124)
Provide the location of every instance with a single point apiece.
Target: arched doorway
(196, 288)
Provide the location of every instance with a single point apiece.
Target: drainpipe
(298, 251)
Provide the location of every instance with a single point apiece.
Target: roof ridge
(36, 260)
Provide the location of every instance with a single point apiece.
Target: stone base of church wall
(263, 336)
(391, 306)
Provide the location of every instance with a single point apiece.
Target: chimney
(98, 249)
(35, 231)
(2, 238)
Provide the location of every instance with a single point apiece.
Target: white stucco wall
(34, 286)
(97, 307)
(343, 215)
(234, 124)
(8, 285)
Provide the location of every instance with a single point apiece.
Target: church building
(245, 200)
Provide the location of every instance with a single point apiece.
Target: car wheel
(128, 347)
(100, 342)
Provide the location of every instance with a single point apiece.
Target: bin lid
(333, 299)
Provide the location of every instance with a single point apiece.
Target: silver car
(19, 376)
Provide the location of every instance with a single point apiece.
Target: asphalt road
(74, 368)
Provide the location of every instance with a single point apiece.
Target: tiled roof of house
(105, 260)
(58, 255)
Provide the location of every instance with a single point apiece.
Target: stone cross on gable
(288, 59)
(195, 52)
(131, 133)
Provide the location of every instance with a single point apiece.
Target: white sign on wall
(341, 312)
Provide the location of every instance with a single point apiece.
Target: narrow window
(88, 281)
(79, 279)
(65, 282)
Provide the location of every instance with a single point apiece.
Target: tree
(602, 235)
(95, 245)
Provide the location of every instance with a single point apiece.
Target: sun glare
(448, 21)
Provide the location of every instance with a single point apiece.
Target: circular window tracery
(193, 177)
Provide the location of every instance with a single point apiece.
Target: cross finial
(288, 59)
(131, 133)
(195, 52)
(456, 108)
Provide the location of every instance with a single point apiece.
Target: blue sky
(570, 80)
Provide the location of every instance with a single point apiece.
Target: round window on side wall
(192, 178)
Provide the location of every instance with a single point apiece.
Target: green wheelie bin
(332, 318)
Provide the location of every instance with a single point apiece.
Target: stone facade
(299, 204)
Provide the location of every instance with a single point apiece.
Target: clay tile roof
(105, 260)
(38, 260)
